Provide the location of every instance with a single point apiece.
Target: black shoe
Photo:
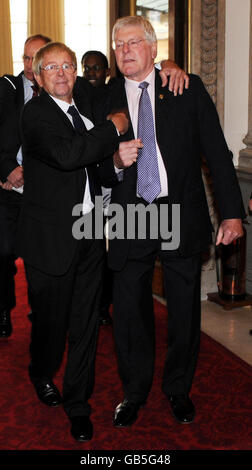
(5, 324)
(182, 408)
(105, 318)
(47, 392)
(126, 413)
(82, 428)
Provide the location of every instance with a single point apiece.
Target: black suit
(11, 104)
(186, 127)
(63, 273)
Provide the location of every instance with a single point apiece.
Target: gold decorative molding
(209, 53)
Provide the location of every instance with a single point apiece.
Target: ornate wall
(207, 59)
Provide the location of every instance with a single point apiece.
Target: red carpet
(221, 392)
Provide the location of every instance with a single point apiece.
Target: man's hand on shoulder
(178, 77)
(16, 177)
(229, 230)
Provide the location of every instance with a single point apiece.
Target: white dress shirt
(133, 96)
(87, 201)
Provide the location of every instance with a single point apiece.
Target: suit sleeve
(215, 149)
(45, 139)
(9, 130)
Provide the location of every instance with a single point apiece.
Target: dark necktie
(80, 126)
(77, 120)
(35, 90)
(148, 180)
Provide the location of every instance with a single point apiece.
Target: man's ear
(38, 80)
(154, 50)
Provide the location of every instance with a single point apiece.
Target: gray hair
(148, 29)
(51, 47)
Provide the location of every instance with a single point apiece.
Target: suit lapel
(47, 99)
(165, 103)
(64, 124)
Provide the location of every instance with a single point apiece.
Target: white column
(236, 74)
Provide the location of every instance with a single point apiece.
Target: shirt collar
(26, 81)
(133, 84)
(63, 104)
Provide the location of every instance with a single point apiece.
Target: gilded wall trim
(207, 60)
(209, 52)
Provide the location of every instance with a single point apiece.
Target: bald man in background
(15, 91)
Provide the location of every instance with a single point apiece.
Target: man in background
(96, 70)
(15, 91)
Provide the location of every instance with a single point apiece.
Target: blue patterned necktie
(148, 180)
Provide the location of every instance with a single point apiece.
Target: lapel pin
(161, 97)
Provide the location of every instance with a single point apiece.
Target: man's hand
(120, 120)
(229, 230)
(178, 78)
(8, 186)
(127, 153)
(16, 177)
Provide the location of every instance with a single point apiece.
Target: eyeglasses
(132, 44)
(53, 68)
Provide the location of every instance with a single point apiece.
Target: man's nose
(60, 70)
(125, 48)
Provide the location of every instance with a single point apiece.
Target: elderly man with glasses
(60, 145)
(161, 173)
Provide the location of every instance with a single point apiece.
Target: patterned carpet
(221, 393)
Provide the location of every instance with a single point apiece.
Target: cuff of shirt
(119, 173)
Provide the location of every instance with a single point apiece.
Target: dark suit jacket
(187, 126)
(55, 156)
(11, 105)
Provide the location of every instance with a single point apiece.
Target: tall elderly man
(60, 145)
(96, 70)
(14, 93)
(159, 164)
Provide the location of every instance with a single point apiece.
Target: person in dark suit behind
(63, 273)
(96, 70)
(161, 168)
(14, 92)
